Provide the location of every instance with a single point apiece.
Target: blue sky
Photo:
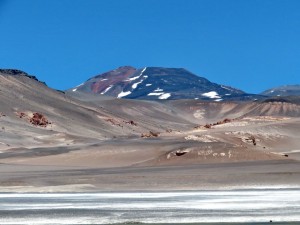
(248, 44)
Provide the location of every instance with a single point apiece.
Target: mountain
(23, 97)
(51, 141)
(157, 83)
(286, 90)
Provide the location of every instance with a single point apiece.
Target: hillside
(44, 130)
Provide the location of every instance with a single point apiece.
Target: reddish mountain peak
(121, 71)
(103, 81)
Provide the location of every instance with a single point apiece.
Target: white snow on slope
(211, 94)
(158, 94)
(106, 90)
(143, 70)
(133, 78)
(158, 89)
(75, 89)
(218, 100)
(123, 94)
(134, 86)
(137, 77)
(148, 85)
(165, 96)
(161, 95)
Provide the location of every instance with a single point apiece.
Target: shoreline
(88, 188)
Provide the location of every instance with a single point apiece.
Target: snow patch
(165, 96)
(123, 94)
(218, 100)
(227, 94)
(196, 98)
(134, 86)
(211, 94)
(137, 77)
(103, 79)
(161, 95)
(106, 90)
(158, 94)
(158, 89)
(148, 85)
(143, 70)
(75, 89)
(133, 78)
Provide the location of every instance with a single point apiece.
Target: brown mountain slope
(46, 129)
(22, 96)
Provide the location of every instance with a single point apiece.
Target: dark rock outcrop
(15, 72)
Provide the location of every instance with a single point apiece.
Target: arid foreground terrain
(50, 141)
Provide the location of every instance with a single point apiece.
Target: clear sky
(248, 44)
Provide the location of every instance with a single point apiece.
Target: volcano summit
(151, 83)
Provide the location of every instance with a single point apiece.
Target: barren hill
(49, 130)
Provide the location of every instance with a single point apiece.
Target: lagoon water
(248, 206)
